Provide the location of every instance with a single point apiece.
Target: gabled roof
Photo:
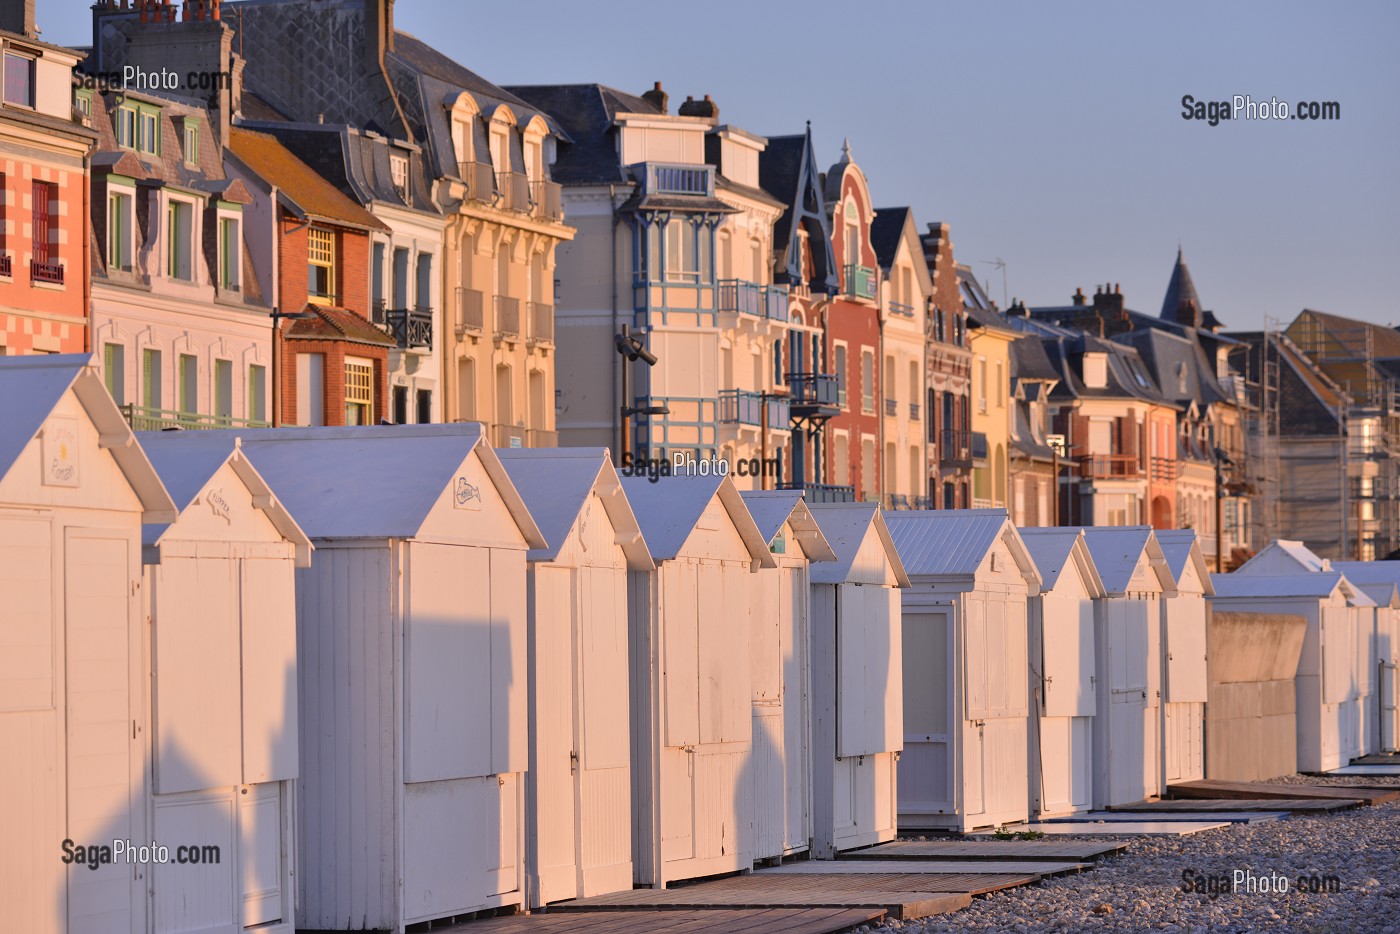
(885, 232)
(586, 113)
(1116, 552)
(845, 526)
(1284, 556)
(299, 188)
(787, 169)
(1319, 586)
(668, 508)
(771, 508)
(188, 460)
(1055, 548)
(337, 324)
(556, 483)
(1175, 360)
(1182, 547)
(953, 542)
(1386, 594)
(1029, 360)
(33, 385)
(378, 482)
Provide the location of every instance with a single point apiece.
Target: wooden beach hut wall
(411, 629)
(857, 669)
(779, 671)
(1325, 684)
(1062, 674)
(578, 788)
(965, 642)
(1128, 636)
(75, 488)
(1380, 580)
(1185, 684)
(691, 623)
(221, 602)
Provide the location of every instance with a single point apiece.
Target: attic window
(1095, 370)
(398, 171)
(1181, 378)
(191, 142)
(19, 80)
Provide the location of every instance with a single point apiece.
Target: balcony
(470, 312)
(858, 282)
(979, 446)
(6, 264)
(377, 308)
(741, 296)
(892, 407)
(820, 492)
(663, 178)
(507, 436)
(507, 318)
(955, 448)
(540, 438)
(913, 411)
(514, 189)
(1109, 467)
(480, 178)
(46, 272)
(141, 418)
(412, 329)
(813, 395)
(775, 299)
(901, 309)
(1163, 469)
(740, 407)
(548, 199)
(540, 319)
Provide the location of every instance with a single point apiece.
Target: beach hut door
(1390, 707)
(601, 770)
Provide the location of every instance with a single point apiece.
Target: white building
(1184, 662)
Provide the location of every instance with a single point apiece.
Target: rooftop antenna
(999, 263)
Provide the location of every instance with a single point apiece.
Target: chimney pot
(656, 97)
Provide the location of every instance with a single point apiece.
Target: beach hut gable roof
(1054, 549)
(1386, 594)
(772, 509)
(958, 543)
(1127, 557)
(35, 385)
(1185, 560)
(670, 508)
(1319, 586)
(189, 464)
(1369, 572)
(1284, 556)
(556, 484)
(383, 482)
(853, 529)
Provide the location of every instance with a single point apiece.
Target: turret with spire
(1181, 303)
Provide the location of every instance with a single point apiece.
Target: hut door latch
(573, 761)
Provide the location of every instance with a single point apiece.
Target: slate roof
(886, 230)
(1127, 377)
(585, 113)
(337, 324)
(300, 187)
(1310, 403)
(1172, 358)
(845, 526)
(1029, 361)
(668, 508)
(781, 169)
(951, 542)
(1180, 289)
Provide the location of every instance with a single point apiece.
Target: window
(320, 258)
(191, 142)
(83, 100)
(150, 379)
(1095, 370)
(982, 384)
(114, 371)
(840, 354)
(359, 391)
(148, 129)
(45, 233)
(423, 288)
(229, 244)
(126, 127)
(867, 382)
(425, 406)
(376, 284)
(119, 232)
(398, 174)
(841, 469)
(1001, 386)
(188, 386)
(19, 80)
(179, 231)
(257, 393)
(311, 389)
(223, 389)
(401, 278)
(681, 262)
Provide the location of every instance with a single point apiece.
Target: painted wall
(1251, 714)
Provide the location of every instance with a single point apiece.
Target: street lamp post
(277, 315)
(632, 349)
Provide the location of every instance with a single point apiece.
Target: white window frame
(229, 257)
(172, 242)
(126, 239)
(191, 135)
(364, 401)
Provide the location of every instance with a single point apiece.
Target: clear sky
(1048, 135)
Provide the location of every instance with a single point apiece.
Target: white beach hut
(966, 700)
(1379, 580)
(75, 488)
(857, 669)
(1128, 631)
(411, 629)
(222, 607)
(691, 624)
(1184, 674)
(1326, 684)
(779, 672)
(1063, 683)
(578, 790)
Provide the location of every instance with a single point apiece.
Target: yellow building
(990, 340)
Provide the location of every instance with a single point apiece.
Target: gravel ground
(1142, 889)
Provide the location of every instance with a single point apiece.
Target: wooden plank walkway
(1374, 769)
(1378, 758)
(1024, 867)
(1144, 827)
(1233, 817)
(1209, 788)
(1207, 807)
(769, 921)
(1059, 850)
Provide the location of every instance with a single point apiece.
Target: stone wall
(1251, 723)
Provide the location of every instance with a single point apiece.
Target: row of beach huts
(395, 675)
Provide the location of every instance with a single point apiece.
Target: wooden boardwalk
(1054, 850)
(819, 867)
(1178, 815)
(770, 921)
(1216, 789)
(1378, 758)
(1207, 806)
(1145, 826)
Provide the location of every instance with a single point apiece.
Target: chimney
(1078, 298)
(18, 16)
(656, 97)
(1018, 309)
(1108, 302)
(694, 108)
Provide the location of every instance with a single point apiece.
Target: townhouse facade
(44, 149)
(949, 368)
(989, 341)
(1033, 453)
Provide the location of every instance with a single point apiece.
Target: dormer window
(180, 240)
(119, 225)
(148, 133)
(229, 253)
(191, 142)
(125, 127)
(398, 173)
(19, 79)
(1096, 370)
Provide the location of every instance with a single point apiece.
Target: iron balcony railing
(741, 407)
(46, 272)
(955, 446)
(859, 282)
(507, 317)
(775, 297)
(899, 308)
(540, 319)
(470, 311)
(891, 407)
(1109, 467)
(808, 389)
(480, 178)
(896, 501)
(820, 492)
(663, 178)
(514, 188)
(739, 295)
(979, 446)
(6, 264)
(377, 309)
(411, 328)
(142, 418)
(1163, 469)
(913, 411)
(548, 199)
